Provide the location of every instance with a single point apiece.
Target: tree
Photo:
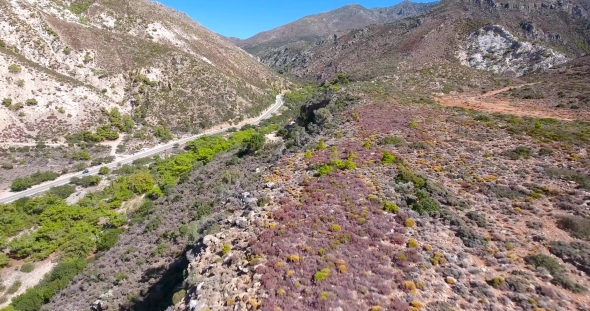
(255, 143)
(141, 182)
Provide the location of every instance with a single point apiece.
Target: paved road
(142, 154)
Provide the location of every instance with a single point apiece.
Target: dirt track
(489, 102)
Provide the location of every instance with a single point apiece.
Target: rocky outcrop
(493, 48)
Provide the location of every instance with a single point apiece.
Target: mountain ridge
(344, 18)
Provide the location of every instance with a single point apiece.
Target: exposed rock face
(494, 49)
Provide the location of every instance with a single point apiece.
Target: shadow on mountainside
(159, 295)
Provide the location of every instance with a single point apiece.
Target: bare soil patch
(493, 103)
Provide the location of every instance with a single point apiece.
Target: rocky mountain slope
(511, 38)
(332, 23)
(62, 62)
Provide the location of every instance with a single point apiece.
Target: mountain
(447, 44)
(329, 23)
(63, 62)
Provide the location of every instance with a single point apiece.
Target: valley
(419, 156)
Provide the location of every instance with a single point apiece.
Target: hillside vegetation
(61, 62)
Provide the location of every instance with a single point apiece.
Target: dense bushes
(66, 229)
(424, 203)
(24, 183)
(171, 170)
(518, 153)
(64, 191)
(577, 253)
(557, 271)
(255, 143)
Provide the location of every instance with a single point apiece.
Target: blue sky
(245, 18)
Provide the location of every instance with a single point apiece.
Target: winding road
(9, 196)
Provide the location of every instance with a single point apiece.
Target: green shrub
(556, 270)
(153, 225)
(390, 207)
(479, 218)
(347, 164)
(424, 203)
(24, 183)
(27, 267)
(226, 249)
(325, 170)
(57, 279)
(31, 102)
(565, 282)
(178, 296)
(104, 170)
(82, 155)
(14, 68)
(4, 260)
(202, 209)
(231, 176)
(80, 166)
(582, 179)
(392, 140)
(108, 239)
(7, 166)
(7, 102)
(387, 158)
(141, 214)
(321, 275)
(161, 249)
(163, 133)
(547, 262)
(120, 277)
(255, 143)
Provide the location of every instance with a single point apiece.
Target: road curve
(142, 154)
